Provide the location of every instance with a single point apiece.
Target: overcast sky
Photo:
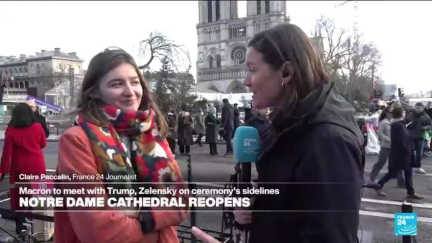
(401, 30)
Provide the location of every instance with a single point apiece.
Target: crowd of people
(312, 153)
(207, 123)
(404, 134)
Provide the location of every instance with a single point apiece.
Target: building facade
(34, 75)
(223, 39)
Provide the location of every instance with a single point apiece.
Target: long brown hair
(100, 65)
(385, 112)
(288, 43)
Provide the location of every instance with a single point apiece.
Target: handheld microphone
(247, 145)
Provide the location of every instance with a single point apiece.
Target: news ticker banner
(93, 194)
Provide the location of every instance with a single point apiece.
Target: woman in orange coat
(22, 152)
(120, 132)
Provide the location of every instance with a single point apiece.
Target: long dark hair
(384, 113)
(22, 116)
(288, 43)
(100, 65)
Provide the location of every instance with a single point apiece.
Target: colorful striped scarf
(148, 150)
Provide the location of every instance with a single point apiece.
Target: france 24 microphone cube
(247, 144)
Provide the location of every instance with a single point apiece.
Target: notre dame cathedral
(223, 39)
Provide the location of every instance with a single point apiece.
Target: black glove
(2, 176)
(146, 221)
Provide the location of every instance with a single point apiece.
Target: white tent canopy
(242, 99)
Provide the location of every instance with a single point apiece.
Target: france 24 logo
(406, 224)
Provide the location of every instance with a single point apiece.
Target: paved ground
(377, 223)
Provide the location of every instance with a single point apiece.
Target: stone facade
(223, 38)
(29, 74)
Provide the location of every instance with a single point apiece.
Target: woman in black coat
(211, 123)
(314, 153)
(400, 154)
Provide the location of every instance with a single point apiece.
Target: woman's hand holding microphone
(243, 216)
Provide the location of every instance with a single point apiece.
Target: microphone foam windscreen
(246, 144)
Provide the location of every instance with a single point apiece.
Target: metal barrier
(58, 128)
(54, 128)
(183, 231)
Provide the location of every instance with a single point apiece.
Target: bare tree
(181, 89)
(158, 46)
(171, 89)
(361, 61)
(350, 62)
(335, 44)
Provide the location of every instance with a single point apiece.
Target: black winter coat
(236, 117)
(315, 163)
(211, 129)
(400, 155)
(42, 120)
(416, 122)
(228, 117)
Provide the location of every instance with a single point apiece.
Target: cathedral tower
(223, 39)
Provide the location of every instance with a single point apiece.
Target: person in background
(373, 106)
(236, 117)
(184, 130)
(199, 126)
(418, 123)
(363, 129)
(428, 109)
(315, 154)
(22, 154)
(248, 113)
(39, 118)
(428, 142)
(211, 122)
(259, 119)
(119, 132)
(383, 133)
(172, 123)
(227, 125)
(400, 154)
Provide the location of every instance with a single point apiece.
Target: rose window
(238, 55)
